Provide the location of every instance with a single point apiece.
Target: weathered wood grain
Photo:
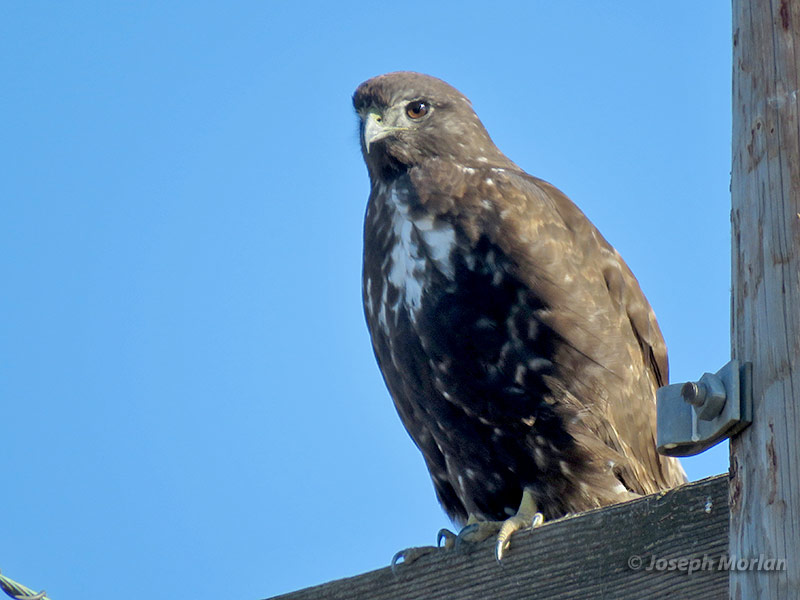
(765, 187)
(581, 557)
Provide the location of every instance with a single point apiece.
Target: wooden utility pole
(765, 187)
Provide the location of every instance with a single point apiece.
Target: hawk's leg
(528, 515)
(476, 531)
(446, 539)
(471, 532)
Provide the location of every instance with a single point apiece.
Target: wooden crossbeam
(593, 555)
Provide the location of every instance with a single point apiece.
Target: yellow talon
(527, 515)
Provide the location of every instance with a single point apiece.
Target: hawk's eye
(416, 109)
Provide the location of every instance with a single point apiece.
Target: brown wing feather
(593, 296)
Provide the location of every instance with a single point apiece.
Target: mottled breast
(413, 255)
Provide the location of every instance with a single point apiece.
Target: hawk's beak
(375, 128)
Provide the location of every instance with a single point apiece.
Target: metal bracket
(694, 416)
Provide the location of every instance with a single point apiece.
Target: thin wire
(18, 591)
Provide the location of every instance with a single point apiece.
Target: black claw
(409, 555)
(461, 538)
(498, 552)
(448, 536)
(467, 530)
(398, 556)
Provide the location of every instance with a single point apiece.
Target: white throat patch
(420, 244)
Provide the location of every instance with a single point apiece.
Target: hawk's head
(408, 118)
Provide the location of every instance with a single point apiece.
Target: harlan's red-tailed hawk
(519, 350)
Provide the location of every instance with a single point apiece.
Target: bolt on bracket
(696, 415)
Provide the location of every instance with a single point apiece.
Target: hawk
(520, 352)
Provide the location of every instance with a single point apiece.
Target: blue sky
(190, 405)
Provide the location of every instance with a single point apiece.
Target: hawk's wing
(612, 343)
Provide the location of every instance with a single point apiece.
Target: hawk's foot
(409, 555)
(477, 531)
(445, 539)
(527, 516)
(450, 539)
(473, 532)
